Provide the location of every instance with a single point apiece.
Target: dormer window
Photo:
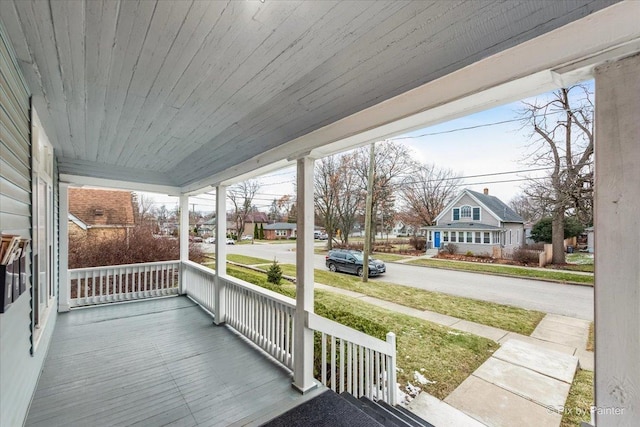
(465, 212)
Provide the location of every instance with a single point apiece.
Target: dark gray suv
(351, 262)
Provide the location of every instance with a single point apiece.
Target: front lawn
(501, 316)
(504, 270)
(443, 356)
(578, 405)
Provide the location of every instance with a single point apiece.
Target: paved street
(566, 300)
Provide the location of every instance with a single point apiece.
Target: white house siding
(516, 231)
(485, 217)
(19, 369)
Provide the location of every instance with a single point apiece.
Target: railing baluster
(349, 368)
(333, 363)
(323, 359)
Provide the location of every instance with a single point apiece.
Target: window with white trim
(478, 239)
(487, 237)
(453, 237)
(465, 212)
(281, 233)
(469, 236)
(445, 236)
(44, 290)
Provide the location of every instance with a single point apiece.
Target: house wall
(485, 217)
(19, 369)
(517, 236)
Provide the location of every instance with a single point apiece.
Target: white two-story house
(477, 223)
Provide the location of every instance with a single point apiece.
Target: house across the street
(280, 230)
(477, 223)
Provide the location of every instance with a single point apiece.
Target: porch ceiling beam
(88, 181)
(559, 57)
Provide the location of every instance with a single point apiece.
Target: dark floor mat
(327, 409)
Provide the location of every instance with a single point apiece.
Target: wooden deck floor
(153, 363)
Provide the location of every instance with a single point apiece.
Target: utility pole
(367, 215)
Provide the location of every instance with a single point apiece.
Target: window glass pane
(456, 214)
(469, 236)
(476, 214)
(465, 212)
(478, 237)
(487, 237)
(453, 236)
(445, 236)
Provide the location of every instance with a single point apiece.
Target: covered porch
(156, 362)
(179, 98)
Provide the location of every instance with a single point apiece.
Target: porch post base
(63, 308)
(307, 389)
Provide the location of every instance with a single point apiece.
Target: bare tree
(144, 214)
(562, 138)
(241, 196)
(327, 193)
(393, 163)
(426, 193)
(351, 198)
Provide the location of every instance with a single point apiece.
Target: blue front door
(436, 239)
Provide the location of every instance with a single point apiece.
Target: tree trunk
(557, 235)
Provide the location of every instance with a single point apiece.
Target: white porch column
(184, 239)
(64, 291)
(617, 263)
(221, 253)
(303, 337)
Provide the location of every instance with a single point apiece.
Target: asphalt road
(567, 300)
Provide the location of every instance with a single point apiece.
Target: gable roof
(101, 207)
(281, 226)
(495, 207)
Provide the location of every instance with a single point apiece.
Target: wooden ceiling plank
(68, 25)
(103, 16)
(38, 30)
(110, 90)
(154, 120)
(125, 104)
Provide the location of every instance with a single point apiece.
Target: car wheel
(359, 271)
(332, 267)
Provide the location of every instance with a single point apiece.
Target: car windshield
(358, 257)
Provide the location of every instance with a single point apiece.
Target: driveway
(566, 300)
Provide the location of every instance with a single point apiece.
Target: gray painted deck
(153, 363)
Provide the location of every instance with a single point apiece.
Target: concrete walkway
(525, 382)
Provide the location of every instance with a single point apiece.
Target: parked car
(350, 262)
(210, 240)
(382, 268)
(318, 235)
(195, 239)
(231, 242)
(247, 237)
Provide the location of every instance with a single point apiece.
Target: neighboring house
(279, 230)
(590, 239)
(250, 220)
(477, 223)
(100, 213)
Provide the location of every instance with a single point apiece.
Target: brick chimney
(486, 191)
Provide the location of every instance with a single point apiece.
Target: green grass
(442, 355)
(505, 317)
(559, 276)
(579, 258)
(578, 405)
(247, 260)
(591, 340)
(389, 257)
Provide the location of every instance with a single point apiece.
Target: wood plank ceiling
(170, 92)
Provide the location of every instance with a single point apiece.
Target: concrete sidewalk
(525, 382)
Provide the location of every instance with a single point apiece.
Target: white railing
(353, 361)
(264, 317)
(99, 285)
(200, 284)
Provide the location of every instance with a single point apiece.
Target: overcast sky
(484, 149)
